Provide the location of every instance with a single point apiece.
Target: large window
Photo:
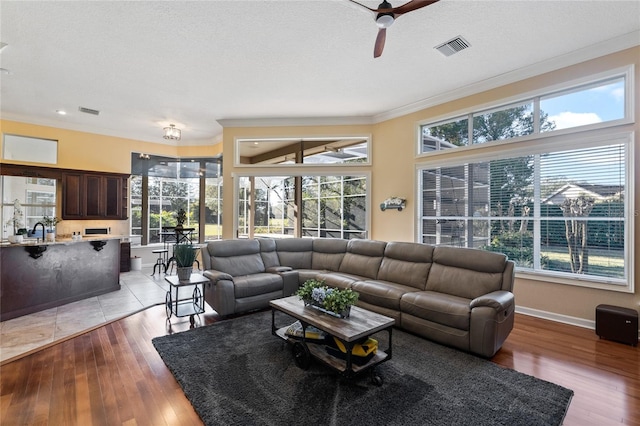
(591, 103)
(36, 197)
(303, 152)
(331, 206)
(161, 187)
(334, 206)
(559, 206)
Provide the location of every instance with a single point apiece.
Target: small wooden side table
(185, 307)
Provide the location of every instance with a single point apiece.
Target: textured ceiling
(146, 64)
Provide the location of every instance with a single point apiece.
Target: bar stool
(161, 261)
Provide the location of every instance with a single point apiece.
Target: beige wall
(392, 171)
(89, 151)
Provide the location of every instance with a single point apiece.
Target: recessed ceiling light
(61, 112)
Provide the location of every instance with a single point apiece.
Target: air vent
(89, 111)
(453, 46)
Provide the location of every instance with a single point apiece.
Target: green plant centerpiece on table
(184, 255)
(333, 301)
(181, 218)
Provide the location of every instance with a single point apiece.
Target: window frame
(267, 172)
(284, 166)
(626, 72)
(539, 146)
(596, 134)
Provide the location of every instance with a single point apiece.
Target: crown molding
(295, 122)
(594, 51)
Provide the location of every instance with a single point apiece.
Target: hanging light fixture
(172, 132)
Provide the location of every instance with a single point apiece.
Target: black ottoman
(617, 323)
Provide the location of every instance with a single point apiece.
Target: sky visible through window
(594, 105)
(578, 108)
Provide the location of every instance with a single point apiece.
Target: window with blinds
(559, 206)
(562, 212)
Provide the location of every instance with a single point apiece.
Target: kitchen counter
(65, 241)
(40, 275)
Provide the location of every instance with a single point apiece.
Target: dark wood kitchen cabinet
(72, 190)
(94, 196)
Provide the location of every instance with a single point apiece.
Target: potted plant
(184, 255)
(16, 222)
(50, 223)
(333, 301)
(181, 218)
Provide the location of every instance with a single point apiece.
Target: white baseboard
(565, 319)
(552, 316)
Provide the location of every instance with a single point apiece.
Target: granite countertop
(60, 241)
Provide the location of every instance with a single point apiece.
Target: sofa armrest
(278, 269)
(215, 276)
(491, 322)
(499, 300)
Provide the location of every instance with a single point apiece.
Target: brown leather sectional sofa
(455, 296)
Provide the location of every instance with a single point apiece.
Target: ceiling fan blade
(362, 5)
(380, 39)
(412, 5)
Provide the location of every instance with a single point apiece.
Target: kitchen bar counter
(66, 241)
(36, 276)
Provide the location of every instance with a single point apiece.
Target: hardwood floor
(113, 375)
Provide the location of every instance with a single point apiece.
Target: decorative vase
(15, 239)
(50, 236)
(184, 273)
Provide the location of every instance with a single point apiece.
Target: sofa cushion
(295, 252)
(257, 284)
(381, 293)
(474, 259)
(236, 257)
(268, 253)
(406, 263)
(338, 279)
(328, 253)
(467, 273)
(363, 258)
(445, 309)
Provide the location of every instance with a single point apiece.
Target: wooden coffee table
(360, 324)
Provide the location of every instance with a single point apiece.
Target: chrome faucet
(43, 231)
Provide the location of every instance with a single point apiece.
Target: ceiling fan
(385, 15)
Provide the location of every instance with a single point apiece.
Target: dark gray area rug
(237, 372)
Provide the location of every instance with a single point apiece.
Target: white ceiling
(145, 64)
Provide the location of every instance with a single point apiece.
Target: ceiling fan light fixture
(384, 20)
(172, 133)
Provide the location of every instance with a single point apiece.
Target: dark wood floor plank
(603, 375)
(41, 410)
(18, 390)
(115, 397)
(114, 376)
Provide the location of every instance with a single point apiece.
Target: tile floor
(23, 334)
